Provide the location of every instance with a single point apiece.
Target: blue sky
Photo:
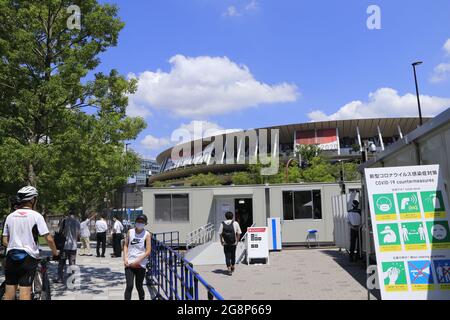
(254, 63)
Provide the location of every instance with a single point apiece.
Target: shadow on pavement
(356, 269)
(93, 281)
(220, 271)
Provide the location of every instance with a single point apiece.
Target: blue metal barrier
(174, 276)
(171, 239)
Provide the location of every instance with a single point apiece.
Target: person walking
(85, 237)
(101, 227)
(230, 233)
(136, 251)
(71, 231)
(117, 238)
(354, 221)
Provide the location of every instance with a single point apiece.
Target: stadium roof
(347, 128)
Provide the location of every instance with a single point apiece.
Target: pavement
(301, 274)
(101, 279)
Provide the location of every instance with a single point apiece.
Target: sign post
(410, 224)
(274, 225)
(257, 244)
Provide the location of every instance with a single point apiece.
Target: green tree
(63, 128)
(319, 170)
(204, 180)
(308, 152)
(242, 178)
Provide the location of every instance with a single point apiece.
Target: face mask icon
(384, 204)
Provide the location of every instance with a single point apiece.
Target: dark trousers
(70, 255)
(354, 242)
(230, 254)
(117, 246)
(101, 241)
(137, 276)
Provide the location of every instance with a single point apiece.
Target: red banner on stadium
(326, 139)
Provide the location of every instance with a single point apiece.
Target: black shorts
(20, 272)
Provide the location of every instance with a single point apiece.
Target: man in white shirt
(230, 233)
(85, 235)
(354, 221)
(101, 227)
(21, 230)
(117, 238)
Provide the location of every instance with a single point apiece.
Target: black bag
(60, 238)
(228, 234)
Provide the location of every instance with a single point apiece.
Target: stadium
(340, 140)
(301, 206)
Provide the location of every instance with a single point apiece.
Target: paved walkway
(101, 279)
(315, 274)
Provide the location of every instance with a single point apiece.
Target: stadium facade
(301, 206)
(341, 140)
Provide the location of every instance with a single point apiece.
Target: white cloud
(232, 11)
(153, 143)
(202, 129)
(385, 102)
(204, 86)
(440, 72)
(252, 5)
(185, 132)
(447, 47)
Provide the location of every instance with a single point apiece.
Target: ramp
(210, 253)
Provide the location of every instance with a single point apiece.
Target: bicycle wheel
(36, 288)
(46, 291)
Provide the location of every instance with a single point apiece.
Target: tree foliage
(62, 126)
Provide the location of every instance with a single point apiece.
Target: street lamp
(417, 89)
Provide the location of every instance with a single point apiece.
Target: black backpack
(60, 238)
(228, 234)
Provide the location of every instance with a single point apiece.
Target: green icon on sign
(394, 276)
(408, 205)
(384, 203)
(388, 234)
(439, 232)
(414, 235)
(433, 204)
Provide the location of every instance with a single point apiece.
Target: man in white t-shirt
(101, 227)
(230, 233)
(117, 238)
(21, 230)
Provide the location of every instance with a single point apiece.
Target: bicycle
(40, 288)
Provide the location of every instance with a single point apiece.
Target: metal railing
(200, 236)
(174, 277)
(171, 239)
(243, 242)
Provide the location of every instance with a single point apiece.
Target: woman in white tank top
(136, 251)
